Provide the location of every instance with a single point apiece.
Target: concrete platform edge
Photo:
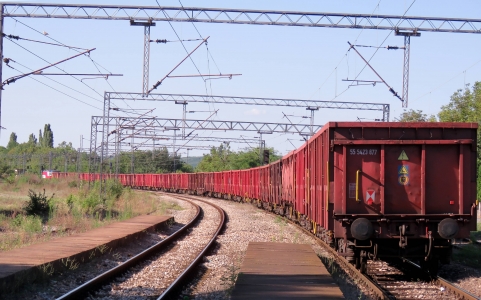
(15, 281)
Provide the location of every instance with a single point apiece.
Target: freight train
(370, 190)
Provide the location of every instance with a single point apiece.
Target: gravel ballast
(217, 273)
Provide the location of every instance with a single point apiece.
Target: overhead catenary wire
(38, 56)
(15, 78)
(16, 37)
(178, 37)
(443, 83)
(375, 72)
(375, 52)
(96, 65)
(343, 57)
(16, 62)
(209, 54)
(70, 96)
(164, 41)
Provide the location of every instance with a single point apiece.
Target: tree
(40, 138)
(32, 139)
(47, 139)
(218, 159)
(222, 158)
(415, 116)
(12, 143)
(465, 106)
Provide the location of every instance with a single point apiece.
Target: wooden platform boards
(19, 266)
(283, 271)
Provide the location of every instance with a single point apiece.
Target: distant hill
(192, 160)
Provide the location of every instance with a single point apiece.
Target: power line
(438, 86)
(208, 53)
(344, 57)
(375, 52)
(60, 91)
(178, 37)
(16, 37)
(57, 82)
(93, 62)
(36, 55)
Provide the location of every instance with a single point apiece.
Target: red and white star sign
(370, 196)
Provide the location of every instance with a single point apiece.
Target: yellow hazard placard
(403, 156)
(403, 170)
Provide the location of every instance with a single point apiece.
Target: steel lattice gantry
(153, 125)
(241, 16)
(383, 107)
(116, 130)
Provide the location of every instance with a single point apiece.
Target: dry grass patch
(73, 208)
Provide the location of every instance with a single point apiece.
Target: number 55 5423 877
(362, 151)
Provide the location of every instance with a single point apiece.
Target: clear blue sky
(280, 62)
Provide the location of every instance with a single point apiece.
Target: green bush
(114, 188)
(10, 179)
(39, 204)
(72, 184)
(92, 202)
(30, 224)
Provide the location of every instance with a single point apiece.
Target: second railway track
(157, 271)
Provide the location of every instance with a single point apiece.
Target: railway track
(390, 282)
(206, 213)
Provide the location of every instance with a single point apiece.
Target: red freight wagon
(275, 183)
(395, 189)
(370, 189)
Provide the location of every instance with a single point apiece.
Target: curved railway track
(389, 282)
(188, 229)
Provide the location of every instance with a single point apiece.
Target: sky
(275, 62)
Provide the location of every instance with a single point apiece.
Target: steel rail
(453, 288)
(375, 288)
(116, 271)
(381, 292)
(177, 282)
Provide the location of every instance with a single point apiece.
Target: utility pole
(184, 115)
(262, 145)
(407, 51)
(145, 83)
(173, 148)
(132, 156)
(1, 62)
(312, 109)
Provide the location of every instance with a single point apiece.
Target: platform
(19, 266)
(283, 271)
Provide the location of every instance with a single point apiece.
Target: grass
(74, 208)
(282, 222)
(475, 235)
(478, 226)
(469, 254)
